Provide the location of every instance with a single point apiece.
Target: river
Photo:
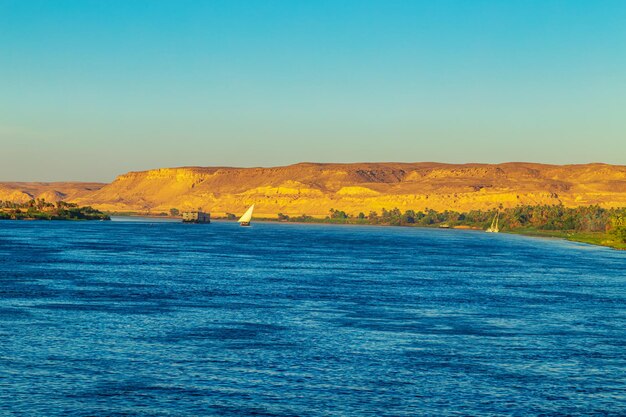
(157, 318)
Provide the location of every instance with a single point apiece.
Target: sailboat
(494, 224)
(247, 216)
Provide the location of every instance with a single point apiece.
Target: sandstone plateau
(312, 188)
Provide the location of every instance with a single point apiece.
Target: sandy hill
(313, 189)
(22, 192)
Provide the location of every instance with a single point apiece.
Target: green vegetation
(618, 225)
(589, 224)
(40, 209)
(592, 238)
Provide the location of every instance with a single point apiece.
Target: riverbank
(591, 238)
(50, 216)
(41, 210)
(481, 222)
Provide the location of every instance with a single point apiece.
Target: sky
(92, 89)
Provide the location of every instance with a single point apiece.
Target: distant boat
(494, 224)
(247, 216)
(196, 217)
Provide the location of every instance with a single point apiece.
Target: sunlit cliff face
(314, 189)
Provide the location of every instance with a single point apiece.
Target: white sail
(247, 216)
(494, 224)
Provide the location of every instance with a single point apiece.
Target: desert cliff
(311, 188)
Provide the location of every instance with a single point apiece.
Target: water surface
(161, 318)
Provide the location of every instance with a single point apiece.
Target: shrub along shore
(588, 224)
(40, 209)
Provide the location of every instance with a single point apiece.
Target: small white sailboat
(494, 224)
(247, 216)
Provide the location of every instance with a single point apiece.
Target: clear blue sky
(92, 89)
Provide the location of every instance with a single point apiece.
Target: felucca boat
(247, 216)
(494, 224)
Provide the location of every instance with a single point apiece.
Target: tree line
(542, 217)
(40, 209)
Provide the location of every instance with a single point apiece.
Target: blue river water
(157, 318)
